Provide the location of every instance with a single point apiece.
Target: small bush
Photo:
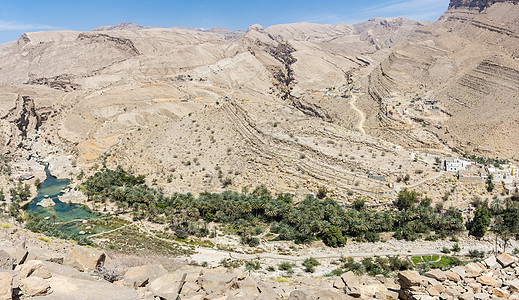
(310, 264)
(446, 250)
(253, 265)
(476, 254)
(285, 266)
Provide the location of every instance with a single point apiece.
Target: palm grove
(317, 217)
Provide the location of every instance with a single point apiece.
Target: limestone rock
(301, 295)
(354, 292)
(487, 280)
(411, 278)
(433, 292)
(89, 258)
(35, 286)
(460, 271)
(473, 270)
(164, 285)
(350, 279)
(467, 296)
(34, 268)
(210, 280)
(500, 293)
(514, 286)
(151, 271)
(481, 296)
(338, 283)
(505, 260)
(6, 286)
(491, 262)
(330, 294)
(6, 261)
(452, 276)
(436, 274)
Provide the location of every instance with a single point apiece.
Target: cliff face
(480, 4)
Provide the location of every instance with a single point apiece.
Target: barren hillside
(285, 106)
(467, 62)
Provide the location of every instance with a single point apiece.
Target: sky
(19, 16)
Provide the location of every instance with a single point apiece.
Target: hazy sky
(19, 16)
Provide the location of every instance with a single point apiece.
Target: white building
(454, 164)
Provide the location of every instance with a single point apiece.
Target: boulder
(436, 274)
(338, 283)
(353, 291)
(301, 295)
(211, 280)
(6, 261)
(491, 262)
(6, 286)
(452, 276)
(411, 278)
(189, 288)
(151, 271)
(248, 286)
(88, 258)
(165, 285)
(329, 294)
(134, 283)
(70, 262)
(34, 268)
(350, 279)
(85, 287)
(40, 254)
(514, 286)
(460, 271)
(481, 296)
(433, 292)
(372, 288)
(500, 293)
(505, 260)
(467, 296)
(34, 286)
(19, 254)
(473, 270)
(487, 280)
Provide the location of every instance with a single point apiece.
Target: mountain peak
(120, 26)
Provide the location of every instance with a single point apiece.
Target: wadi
(296, 161)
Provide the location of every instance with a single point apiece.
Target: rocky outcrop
(122, 44)
(495, 277)
(61, 82)
(121, 26)
(23, 120)
(479, 4)
(88, 258)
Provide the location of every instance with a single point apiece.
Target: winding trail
(360, 125)
(398, 187)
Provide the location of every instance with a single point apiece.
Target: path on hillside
(360, 125)
(399, 186)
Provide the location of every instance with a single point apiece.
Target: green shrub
(285, 266)
(310, 264)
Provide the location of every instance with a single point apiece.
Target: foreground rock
(495, 277)
(6, 286)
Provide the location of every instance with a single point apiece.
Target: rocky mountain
(275, 105)
(467, 62)
(121, 26)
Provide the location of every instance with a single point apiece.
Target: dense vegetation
(245, 212)
(36, 223)
(505, 214)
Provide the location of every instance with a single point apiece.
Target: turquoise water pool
(64, 212)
